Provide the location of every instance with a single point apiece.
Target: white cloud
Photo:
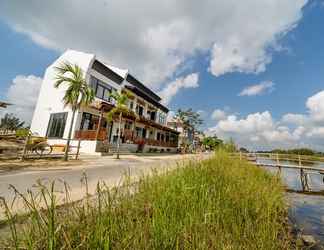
(258, 89)
(315, 104)
(255, 131)
(23, 94)
(252, 123)
(261, 131)
(171, 89)
(316, 132)
(156, 38)
(294, 119)
(218, 115)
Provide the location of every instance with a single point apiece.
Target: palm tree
(10, 122)
(121, 100)
(77, 94)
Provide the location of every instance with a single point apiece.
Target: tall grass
(220, 203)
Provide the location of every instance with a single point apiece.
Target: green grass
(220, 203)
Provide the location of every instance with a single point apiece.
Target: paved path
(97, 168)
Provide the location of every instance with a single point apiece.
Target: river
(306, 211)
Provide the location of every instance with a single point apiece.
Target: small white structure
(147, 131)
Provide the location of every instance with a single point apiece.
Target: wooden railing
(90, 135)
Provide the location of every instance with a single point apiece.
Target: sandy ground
(97, 168)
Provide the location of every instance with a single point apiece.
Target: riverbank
(219, 203)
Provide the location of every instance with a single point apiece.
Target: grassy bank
(220, 203)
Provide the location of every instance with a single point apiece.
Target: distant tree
(181, 117)
(77, 94)
(212, 142)
(189, 119)
(120, 108)
(11, 122)
(296, 151)
(244, 150)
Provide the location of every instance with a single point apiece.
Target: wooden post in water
(299, 160)
(278, 163)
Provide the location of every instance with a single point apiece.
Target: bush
(22, 133)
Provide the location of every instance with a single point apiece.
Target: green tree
(212, 142)
(189, 119)
(77, 94)
(181, 117)
(11, 122)
(121, 100)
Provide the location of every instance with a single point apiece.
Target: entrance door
(144, 133)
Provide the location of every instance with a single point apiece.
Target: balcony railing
(129, 136)
(91, 135)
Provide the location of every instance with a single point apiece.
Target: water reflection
(306, 210)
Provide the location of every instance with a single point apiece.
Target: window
(151, 115)
(128, 125)
(56, 125)
(102, 90)
(139, 110)
(162, 118)
(139, 132)
(90, 121)
(131, 105)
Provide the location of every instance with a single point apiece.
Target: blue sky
(293, 44)
(297, 71)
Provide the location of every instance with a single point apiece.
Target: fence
(25, 152)
(7, 132)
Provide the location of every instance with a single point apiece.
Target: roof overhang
(146, 97)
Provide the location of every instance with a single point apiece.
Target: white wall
(50, 98)
(88, 147)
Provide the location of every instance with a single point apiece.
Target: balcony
(91, 135)
(129, 136)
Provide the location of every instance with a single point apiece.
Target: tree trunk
(99, 126)
(66, 153)
(118, 136)
(25, 147)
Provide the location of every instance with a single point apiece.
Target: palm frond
(78, 91)
(121, 100)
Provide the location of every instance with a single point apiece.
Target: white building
(146, 130)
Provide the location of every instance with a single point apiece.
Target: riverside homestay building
(146, 129)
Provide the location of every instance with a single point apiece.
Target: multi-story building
(145, 130)
(186, 134)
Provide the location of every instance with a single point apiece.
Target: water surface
(306, 210)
